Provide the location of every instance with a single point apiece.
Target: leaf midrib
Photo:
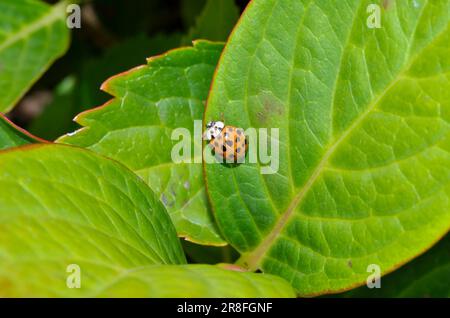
(252, 259)
(55, 13)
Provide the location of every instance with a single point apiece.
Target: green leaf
(13, 136)
(32, 36)
(135, 128)
(61, 205)
(48, 279)
(426, 276)
(364, 138)
(196, 281)
(215, 22)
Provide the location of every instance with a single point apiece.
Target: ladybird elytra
(226, 142)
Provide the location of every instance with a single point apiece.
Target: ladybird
(228, 143)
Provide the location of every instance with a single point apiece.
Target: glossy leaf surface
(364, 138)
(60, 205)
(136, 128)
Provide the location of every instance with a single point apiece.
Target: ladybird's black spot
(229, 143)
(238, 149)
(230, 129)
(239, 132)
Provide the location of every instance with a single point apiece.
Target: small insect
(227, 142)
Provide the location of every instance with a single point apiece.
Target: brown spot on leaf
(271, 107)
(387, 4)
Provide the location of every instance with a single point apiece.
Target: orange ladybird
(228, 143)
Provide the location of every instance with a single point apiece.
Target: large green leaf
(13, 136)
(196, 281)
(215, 22)
(32, 35)
(103, 280)
(363, 117)
(426, 276)
(135, 128)
(63, 205)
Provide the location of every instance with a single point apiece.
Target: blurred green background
(116, 35)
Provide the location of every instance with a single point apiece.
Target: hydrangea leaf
(32, 35)
(195, 281)
(66, 211)
(135, 128)
(61, 205)
(155, 281)
(364, 138)
(14, 136)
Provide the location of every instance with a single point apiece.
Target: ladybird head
(213, 129)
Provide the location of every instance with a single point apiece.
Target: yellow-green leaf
(13, 136)
(135, 128)
(60, 205)
(32, 35)
(364, 137)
